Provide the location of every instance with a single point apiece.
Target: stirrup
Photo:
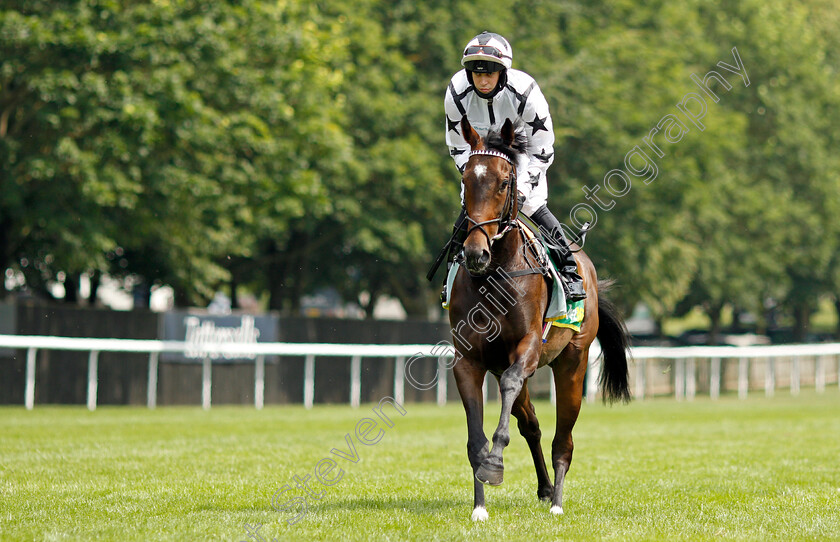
(572, 285)
(443, 291)
(575, 294)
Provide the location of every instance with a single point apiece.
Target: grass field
(761, 469)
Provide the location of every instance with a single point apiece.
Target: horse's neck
(506, 292)
(507, 252)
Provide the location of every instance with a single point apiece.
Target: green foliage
(288, 146)
(172, 133)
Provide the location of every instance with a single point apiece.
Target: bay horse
(506, 339)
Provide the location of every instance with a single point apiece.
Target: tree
(791, 141)
(162, 132)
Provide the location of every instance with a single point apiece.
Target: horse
(506, 338)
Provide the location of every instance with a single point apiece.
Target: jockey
(488, 92)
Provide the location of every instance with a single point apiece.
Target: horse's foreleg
(470, 381)
(529, 427)
(510, 385)
(569, 371)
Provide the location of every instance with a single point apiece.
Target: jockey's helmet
(486, 53)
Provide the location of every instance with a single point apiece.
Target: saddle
(535, 242)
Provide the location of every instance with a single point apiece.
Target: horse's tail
(615, 341)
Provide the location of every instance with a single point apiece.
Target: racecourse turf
(759, 469)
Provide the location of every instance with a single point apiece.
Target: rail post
(29, 394)
(442, 382)
(309, 381)
(679, 379)
(399, 379)
(743, 377)
(819, 376)
(690, 379)
(355, 381)
(151, 391)
(592, 377)
(206, 382)
(93, 379)
(714, 383)
(770, 377)
(641, 378)
(259, 383)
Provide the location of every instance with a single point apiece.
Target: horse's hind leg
(470, 381)
(569, 370)
(529, 427)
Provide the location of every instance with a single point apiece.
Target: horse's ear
(470, 135)
(507, 132)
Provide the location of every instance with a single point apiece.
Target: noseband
(507, 219)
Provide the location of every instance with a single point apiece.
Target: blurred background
(287, 157)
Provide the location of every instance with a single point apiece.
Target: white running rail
(685, 363)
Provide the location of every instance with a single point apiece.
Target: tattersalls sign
(207, 332)
(201, 330)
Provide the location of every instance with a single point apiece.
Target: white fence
(684, 361)
(684, 369)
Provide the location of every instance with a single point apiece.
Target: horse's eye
(505, 184)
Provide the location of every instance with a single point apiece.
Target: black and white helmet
(486, 53)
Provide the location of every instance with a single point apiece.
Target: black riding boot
(551, 230)
(459, 235)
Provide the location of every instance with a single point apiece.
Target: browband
(497, 154)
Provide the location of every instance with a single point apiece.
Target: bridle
(507, 219)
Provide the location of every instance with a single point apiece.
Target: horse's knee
(511, 383)
(515, 374)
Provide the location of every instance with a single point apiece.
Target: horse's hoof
(556, 510)
(546, 495)
(488, 474)
(480, 514)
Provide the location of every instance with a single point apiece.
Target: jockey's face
(485, 82)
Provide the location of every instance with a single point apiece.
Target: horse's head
(489, 190)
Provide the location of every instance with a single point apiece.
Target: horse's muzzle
(477, 259)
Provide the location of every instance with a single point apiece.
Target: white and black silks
(519, 99)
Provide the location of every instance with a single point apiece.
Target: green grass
(761, 469)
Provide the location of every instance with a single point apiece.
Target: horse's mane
(519, 145)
